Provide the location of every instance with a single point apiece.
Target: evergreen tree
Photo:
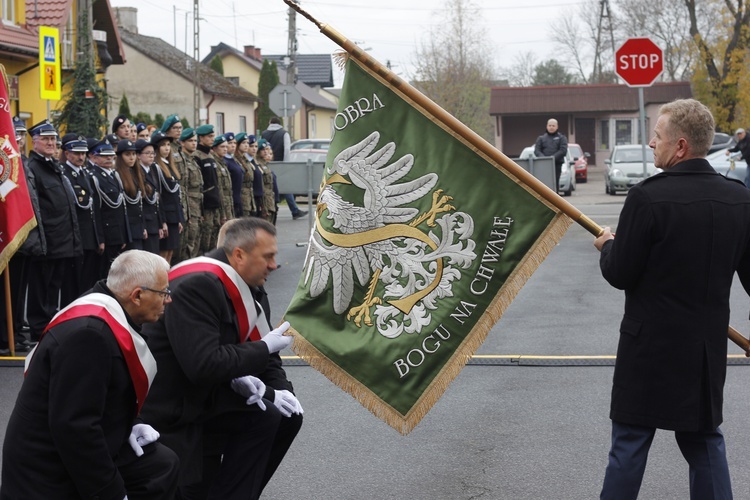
(124, 107)
(85, 102)
(158, 120)
(142, 117)
(217, 65)
(269, 78)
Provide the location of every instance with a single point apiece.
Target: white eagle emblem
(381, 242)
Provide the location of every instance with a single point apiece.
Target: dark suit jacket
(73, 415)
(114, 220)
(198, 353)
(89, 220)
(680, 238)
(151, 213)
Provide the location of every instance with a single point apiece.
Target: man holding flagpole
(74, 431)
(221, 399)
(681, 236)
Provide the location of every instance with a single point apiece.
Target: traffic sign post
(639, 61)
(49, 63)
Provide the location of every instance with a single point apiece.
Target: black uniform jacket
(72, 417)
(114, 219)
(89, 220)
(151, 212)
(198, 353)
(680, 238)
(57, 207)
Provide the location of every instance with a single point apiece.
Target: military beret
(125, 145)
(103, 148)
(242, 136)
(140, 128)
(251, 139)
(218, 140)
(113, 139)
(187, 134)
(91, 142)
(119, 120)
(43, 128)
(159, 136)
(141, 144)
(229, 136)
(263, 144)
(169, 122)
(205, 129)
(18, 124)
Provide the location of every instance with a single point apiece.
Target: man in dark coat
(552, 143)
(210, 337)
(73, 432)
(742, 146)
(84, 270)
(60, 226)
(681, 236)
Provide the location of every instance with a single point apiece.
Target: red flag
(16, 213)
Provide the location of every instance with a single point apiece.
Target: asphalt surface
(533, 427)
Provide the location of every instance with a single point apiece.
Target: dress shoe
(299, 214)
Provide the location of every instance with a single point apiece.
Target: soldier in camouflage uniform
(211, 195)
(265, 155)
(190, 244)
(243, 158)
(218, 151)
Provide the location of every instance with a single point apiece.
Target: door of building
(586, 137)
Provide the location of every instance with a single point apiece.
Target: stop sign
(639, 62)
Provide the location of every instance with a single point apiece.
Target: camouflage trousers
(210, 229)
(190, 243)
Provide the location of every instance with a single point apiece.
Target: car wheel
(569, 191)
(606, 188)
(613, 192)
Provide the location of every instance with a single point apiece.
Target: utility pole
(196, 63)
(291, 67)
(605, 16)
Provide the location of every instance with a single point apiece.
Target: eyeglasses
(147, 153)
(165, 294)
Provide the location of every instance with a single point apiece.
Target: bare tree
(566, 33)
(453, 68)
(521, 73)
(722, 59)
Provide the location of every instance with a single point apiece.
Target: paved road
(499, 432)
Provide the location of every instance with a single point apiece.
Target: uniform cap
(205, 129)
(103, 148)
(43, 128)
(220, 139)
(169, 122)
(119, 120)
(187, 134)
(125, 145)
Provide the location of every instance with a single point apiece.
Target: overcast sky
(391, 30)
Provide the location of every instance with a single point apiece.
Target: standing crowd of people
(166, 191)
(154, 371)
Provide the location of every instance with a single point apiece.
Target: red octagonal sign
(639, 62)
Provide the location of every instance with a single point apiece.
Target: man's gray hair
(242, 233)
(134, 268)
(693, 121)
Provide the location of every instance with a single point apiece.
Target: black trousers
(153, 475)
(18, 268)
(45, 282)
(242, 450)
(80, 276)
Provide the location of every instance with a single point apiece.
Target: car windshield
(633, 155)
(575, 151)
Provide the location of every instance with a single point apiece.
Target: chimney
(253, 52)
(127, 18)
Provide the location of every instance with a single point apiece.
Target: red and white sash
(141, 363)
(253, 324)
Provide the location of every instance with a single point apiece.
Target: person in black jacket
(84, 271)
(60, 225)
(681, 236)
(231, 430)
(73, 432)
(552, 143)
(112, 204)
(150, 196)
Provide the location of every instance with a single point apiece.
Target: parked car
(624, 168)
(311, 144)
(581, 160)
(722, 141)
(730, 166)
(302, 155)
(567, 177)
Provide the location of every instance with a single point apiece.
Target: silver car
(624, 167)
(567, 175)
(730, 166)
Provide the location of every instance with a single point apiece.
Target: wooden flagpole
(9, 312)
(472, 137)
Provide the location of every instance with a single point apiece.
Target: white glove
(276, 340)
(251, 388)
(287, 403)
(141, 435)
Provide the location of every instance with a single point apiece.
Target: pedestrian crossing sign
(49, 63)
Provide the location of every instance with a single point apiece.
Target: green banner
(421, 242)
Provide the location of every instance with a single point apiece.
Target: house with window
(597, 117)
(19, 48)
(315, 119)
(159, 79)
